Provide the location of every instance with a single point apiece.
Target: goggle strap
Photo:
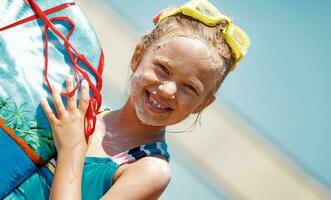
(235, 37)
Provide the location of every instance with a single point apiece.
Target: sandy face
(172, 81)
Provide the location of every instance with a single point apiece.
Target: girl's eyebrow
(197, 83)
(165, 61)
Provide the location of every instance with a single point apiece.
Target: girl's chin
(146, 119)
(151, 123)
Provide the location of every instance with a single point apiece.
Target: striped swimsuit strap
(156, 148)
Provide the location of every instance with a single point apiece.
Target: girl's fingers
(57, 101)
(48, 111)
(84, 97)
(72, 105)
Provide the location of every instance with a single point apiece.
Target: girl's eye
(190, 87)
(163, 68)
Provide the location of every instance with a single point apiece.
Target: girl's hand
(68, 124)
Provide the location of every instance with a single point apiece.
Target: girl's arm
(144, 179)
(68, 177)
(70, 141)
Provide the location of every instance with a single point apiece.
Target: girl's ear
(136, 57)
(206, 103)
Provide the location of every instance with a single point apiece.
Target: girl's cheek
(140, 80)
(149, 76)
(136, 83)
(186, 103)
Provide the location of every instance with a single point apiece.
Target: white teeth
(156, 104)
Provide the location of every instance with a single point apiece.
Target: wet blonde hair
(212, 36)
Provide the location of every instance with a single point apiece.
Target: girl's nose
(168, 89)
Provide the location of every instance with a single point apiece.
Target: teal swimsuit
(97, 178)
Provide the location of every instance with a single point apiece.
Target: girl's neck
(124, 122)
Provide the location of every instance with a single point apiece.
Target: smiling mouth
(154, 106)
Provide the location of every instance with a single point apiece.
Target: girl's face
(172, 80)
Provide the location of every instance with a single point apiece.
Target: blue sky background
(283, 86)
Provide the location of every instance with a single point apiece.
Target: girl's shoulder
(157, 149)
(153, 171)
(155, 168)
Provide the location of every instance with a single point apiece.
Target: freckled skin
(190, 59)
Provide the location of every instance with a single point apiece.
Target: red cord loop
(74, 56)
(95, 100)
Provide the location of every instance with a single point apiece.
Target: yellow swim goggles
(206, 13)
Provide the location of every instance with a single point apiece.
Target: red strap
(33, 17)
(95, 100)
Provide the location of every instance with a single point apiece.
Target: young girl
(177, 69)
